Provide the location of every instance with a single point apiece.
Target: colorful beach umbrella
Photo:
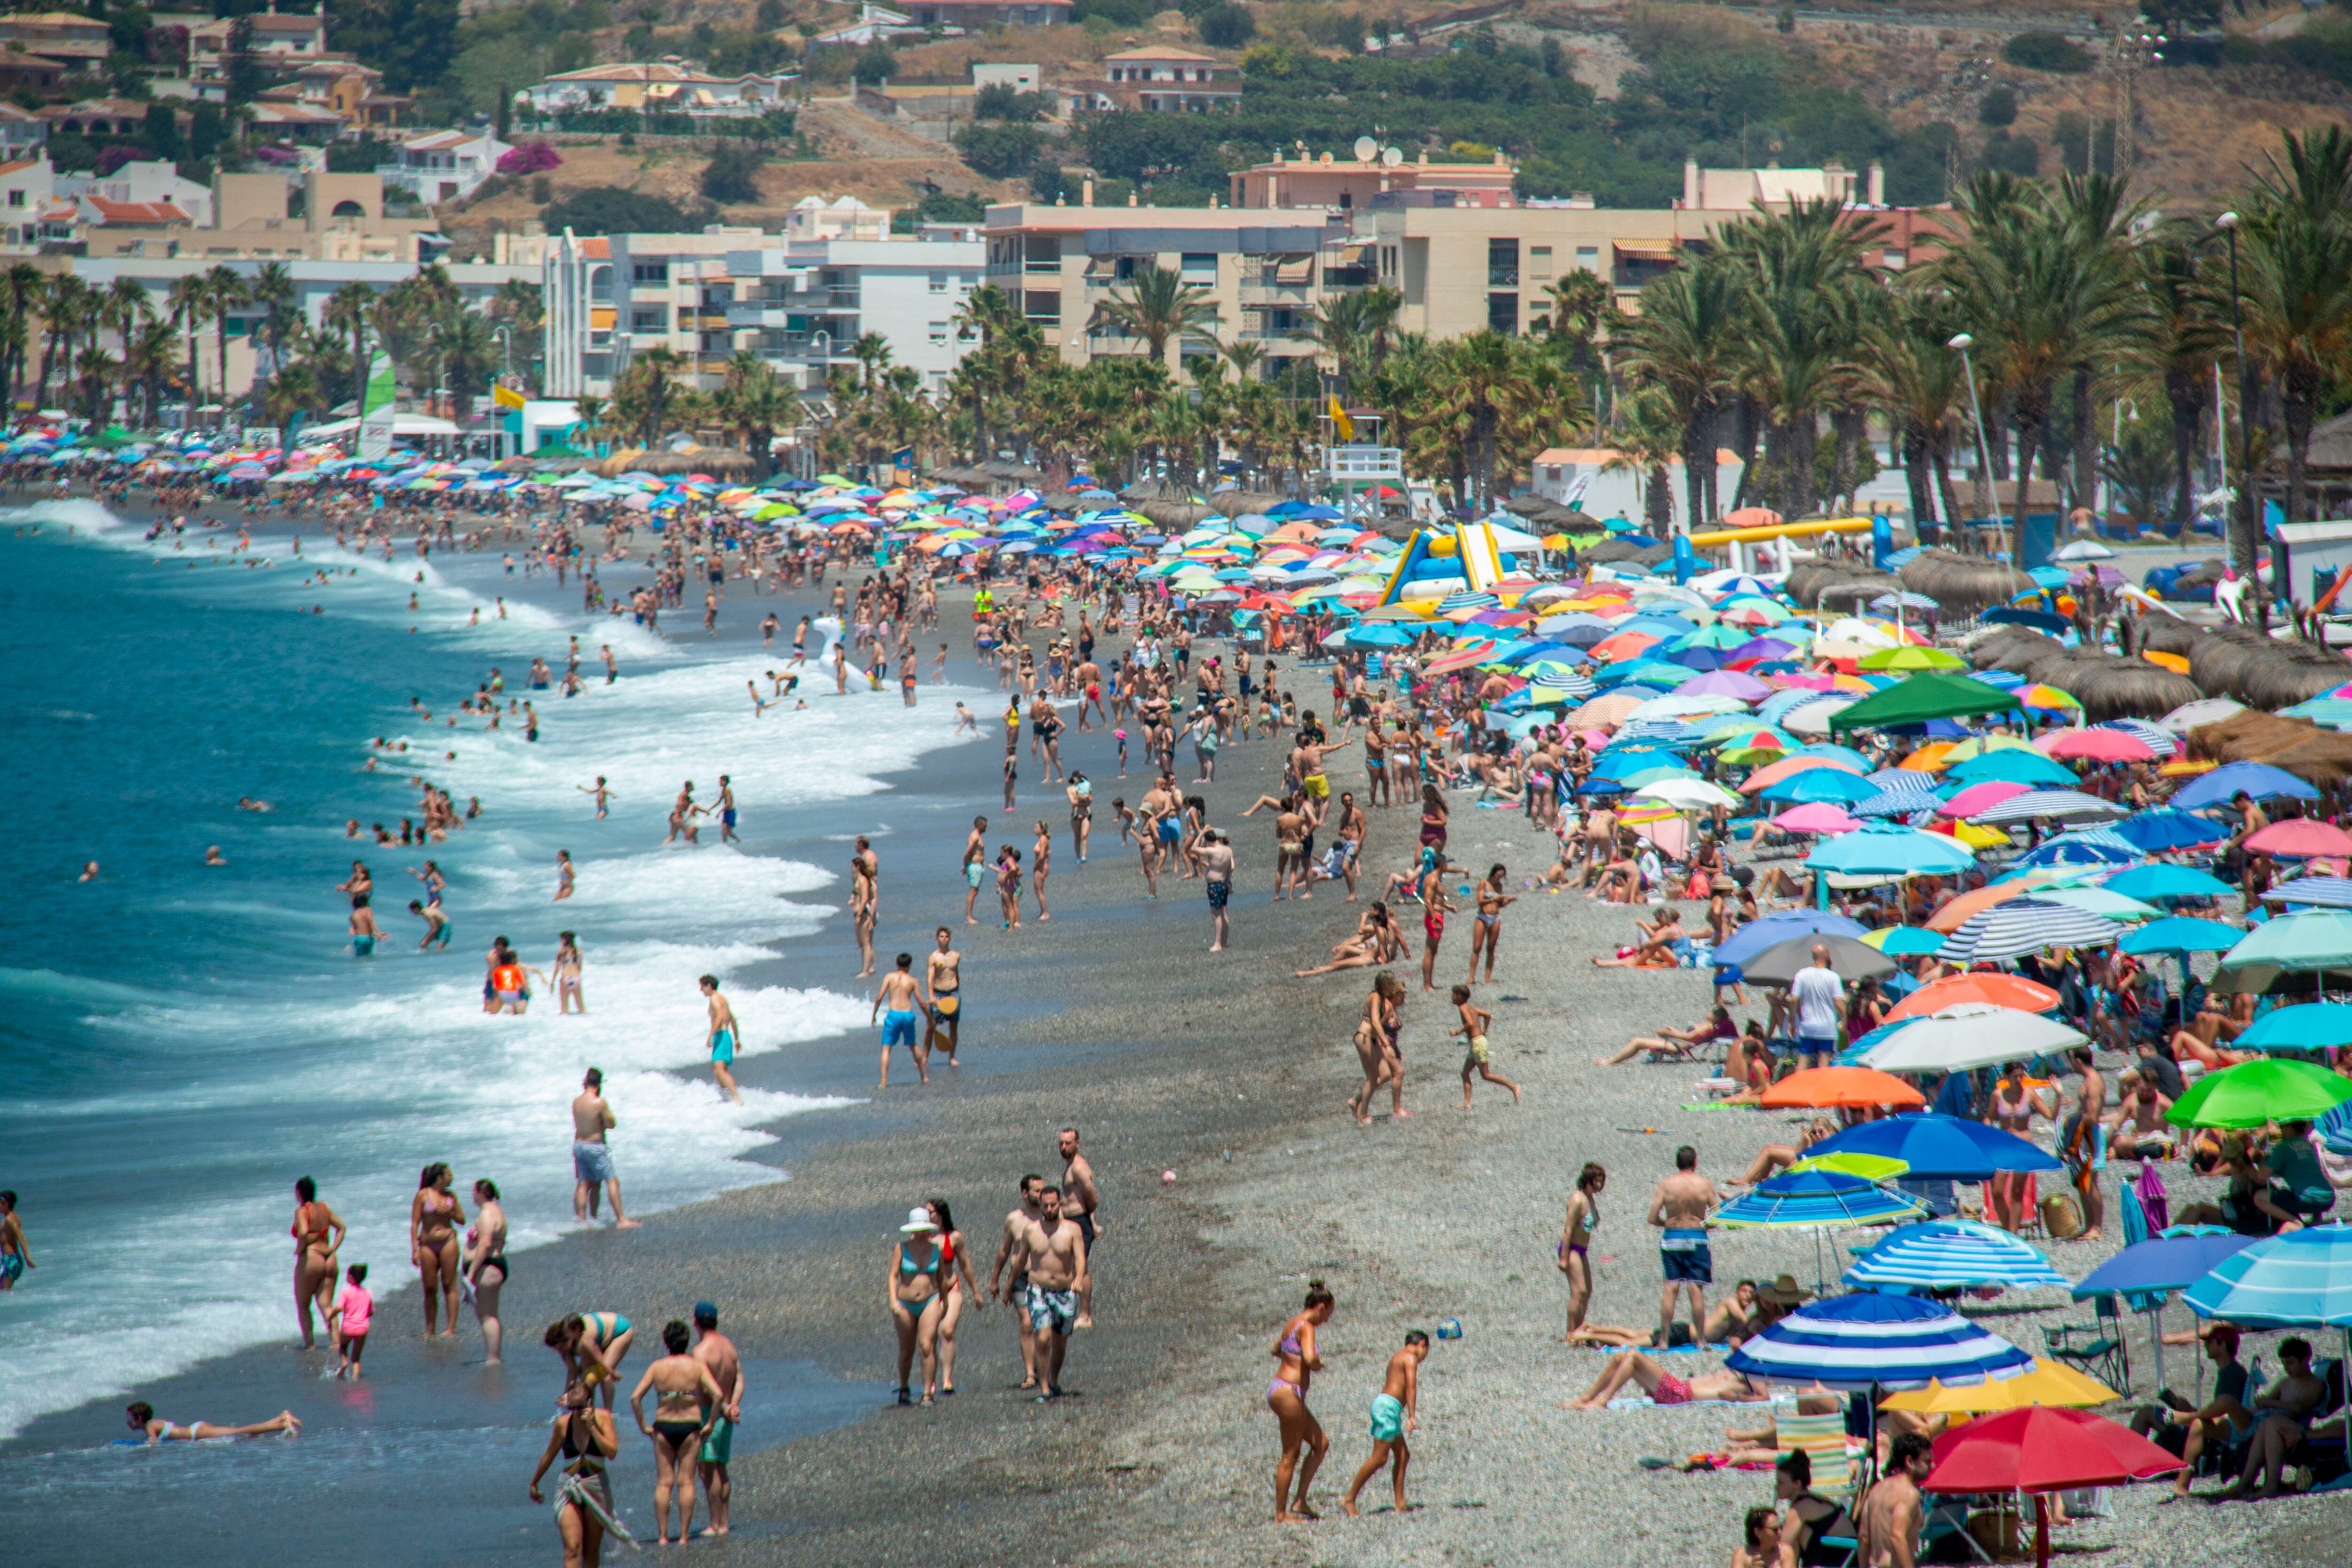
(1805, 1199)
(1953, 1255)
(2301, 1280)
(2251, 1094)
(1867, 1341)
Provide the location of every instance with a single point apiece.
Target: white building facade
(800, 305)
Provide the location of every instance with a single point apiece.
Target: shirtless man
(716, 1351)
(1887, 1523)
(1679, 1208)
(903, 995)
(1350, 833)
(1012, 1248)
(1306, 761)
(975, 865)
(1081, 793)
(862, 902)
(1162, 808)
(1394, 1418)
(591, 1157)
(16, 1253)
(2078, 1142)
(1080, 1202)
(727, 811)
(1056, 1263)
(682, 813)
(722, 1038)
(1214, 853)
(943, 996)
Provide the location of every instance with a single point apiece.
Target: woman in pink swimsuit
(1287, 1397)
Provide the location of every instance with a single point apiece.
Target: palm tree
(1159, 305)
(1646, 437)
(273, 290)
(224, 291)
(756, 402)
(149, 356)
(294, 391)
(2187, 329)
(185, 305)
(348, 310)
(1680, 345)
(1355, 328)
(65, 303)
(1493, 391)
(468, 354)
(1912, 373)
(2298, 288)
(22, 289)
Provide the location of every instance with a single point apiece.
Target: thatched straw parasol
(719, 462)
(1962, 585)
(1811, 584)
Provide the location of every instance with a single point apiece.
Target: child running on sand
(1475, 1021)
(1393, 1418)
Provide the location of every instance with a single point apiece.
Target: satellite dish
(1391, 156)
(1365, 148)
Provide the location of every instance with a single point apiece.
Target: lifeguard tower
(1356, 467)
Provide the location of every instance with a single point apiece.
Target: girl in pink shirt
(353, 1307)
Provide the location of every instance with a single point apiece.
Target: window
(1589, 257)
(599, 283)
(649, 318)
(938, 282)
(939, 331)
(649, 272)
(1540, 260)
(1502, 264)
(1503, 313)
(16, 198)
(1200, 267)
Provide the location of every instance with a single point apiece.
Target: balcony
(1355, 462)
(1503, 277)
(1265, 291)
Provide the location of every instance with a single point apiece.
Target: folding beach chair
(2095, 1349)
(1836, 1475)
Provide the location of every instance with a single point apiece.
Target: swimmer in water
(363, 929)
(603, 796)
(247, 803)
(724, 1034)
(563, 875)
(436, 925)
(88, 872)
(143, 1417)
(213, 856)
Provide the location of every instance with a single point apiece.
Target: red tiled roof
(136, 212)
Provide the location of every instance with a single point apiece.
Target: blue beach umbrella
(2085, 846)
(2178, 934)
(1901, 799)
(1953, 1254)
(1890, 852)
(1867, 1341)
(2012, 766)
(2313, 893)
(2259, 781)
(2301, 1280)
(2149, 883)
(1906, 941)
(2159, 1264)
(1803, 1198)
(1938, 1147)
(1770, 931)
(2312, 1026)
(1820, 785)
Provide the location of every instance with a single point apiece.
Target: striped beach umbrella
(2301, 1280)
(2052, 806)
(1953, 1254)
(1473, 601)
(1865, 1341)
(2082, 846)
(2025, 925)
(1812, 1198)
(2313, 892)
(1564, 684)
(1899, 799)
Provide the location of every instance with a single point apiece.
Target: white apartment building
(799, 304)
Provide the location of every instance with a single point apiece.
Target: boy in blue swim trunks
(1393, 1410)
(723, 1033)
(895, 1001)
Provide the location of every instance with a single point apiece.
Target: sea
(179, 1042)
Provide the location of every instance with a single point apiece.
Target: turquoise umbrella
(2312, 1026)
(2304, 943)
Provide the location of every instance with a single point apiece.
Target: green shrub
(2047, 52)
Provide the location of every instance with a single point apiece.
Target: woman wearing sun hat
(916, 1293)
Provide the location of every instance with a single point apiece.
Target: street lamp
(2243, 536)
(1962, 341)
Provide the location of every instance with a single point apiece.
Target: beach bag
(2062, 1216)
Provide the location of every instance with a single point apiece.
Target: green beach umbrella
(2312, 941)
(2274, 1089)
(1930, 694)
(1903, 660)
(1869, 1167)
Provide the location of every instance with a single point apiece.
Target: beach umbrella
(1790, 766)
(1844, 1088)
(1889, 851)
(1769, 931)
(2180, 935)
(2156, 832)
(2050, 805)
(1805, 1198)
(2300, 838)
(1990, 990)
(1981, 797)
(1899, 797)
(1816, 717)
(1692, 794)
(1967, 1037)
(2018, 765)
(2147, 1271)
(2300, 1280)
(2148, 883)
(1929, 694)
(2306, 943)
(2080, 847)
(1931, 1145)
(1867, 1341)
(2312, 892)
(2040, 1450)
(1818, 784)
(1819, 817)
(2026, 925)
(2099, 901)
(2251, 1094)
(2049, 1383)
(2258, 780)
(1904, 941)
(2100, 744)
(2312, 1026)
(1905, 659)
(1953, 1254)
(1777, 965)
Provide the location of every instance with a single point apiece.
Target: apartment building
(801, 304)
(1264, 270)
(252, 219)
(1161, 79)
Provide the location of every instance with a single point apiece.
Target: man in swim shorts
(1057, 1266)
(727, 811)
(943, 982)
(721, 1038)
(1679, 1208)
(16, 1254)
(717, 1352)
(896, 1003)
(1217, 873)
(591, 1157)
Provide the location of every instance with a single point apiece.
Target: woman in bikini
(584, 1436)
(434, 1216)
(318, 1233)
(1008, 886)
(1297, 1363)
(1576, 1244)
(158, 1430)
(917, 1294)
(569, 998)
(592, 1345)
(1375, 1047)
(689, 1401)
(960, 1288)
(485, 1264)
(1432, 818)
(1040, 866)
(1486, 932)
(1774, 1158)
(2011, 1111)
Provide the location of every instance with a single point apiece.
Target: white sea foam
(361, 1073)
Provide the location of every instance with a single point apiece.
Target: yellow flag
(1341, 423)
(506, 397)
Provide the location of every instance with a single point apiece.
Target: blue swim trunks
(362, 945)
(898, 1029)
(1684, 1255)
(1387, 1419)
(723, 1046)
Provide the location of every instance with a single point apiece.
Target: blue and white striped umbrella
(1805, 1198)
(1953, 1254)
(2155, 737)
(1562, 683)
(2301, 1280)
(2313, 892)
(1468, 602)
(2020, 926)
(1899, 799)
(1865, 1341)
(2083, 847)
(2052, 805)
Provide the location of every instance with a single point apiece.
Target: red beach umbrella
(2041, 1448)
(2301, 836)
